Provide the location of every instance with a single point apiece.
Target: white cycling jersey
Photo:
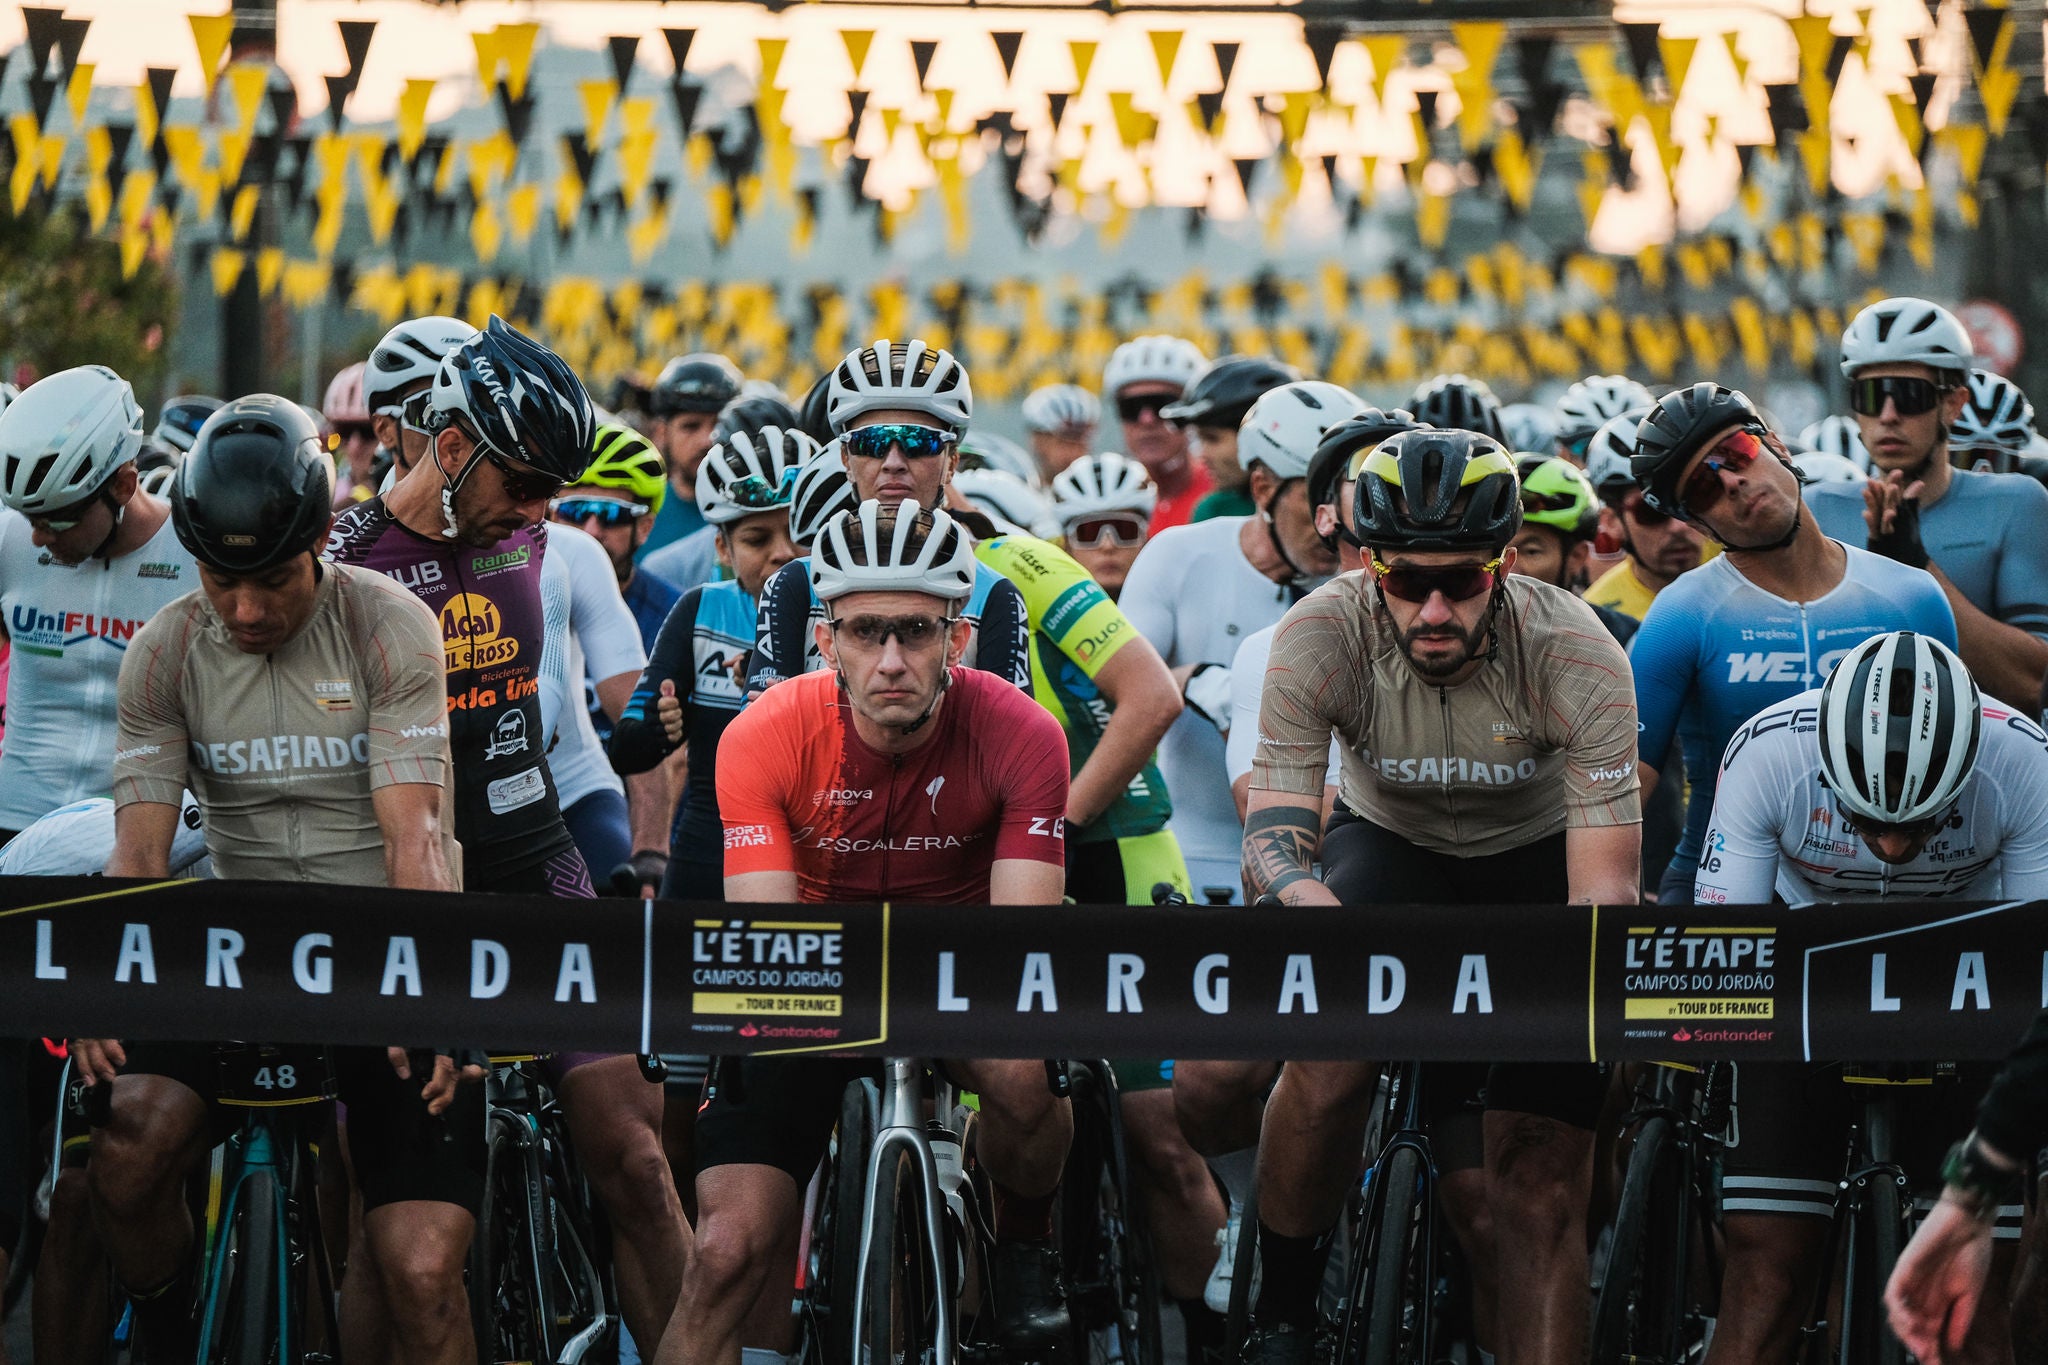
(590, 631)
(1195, 596)
(76, 841)
(68, 629)
(1247, 686)
(1776, 825)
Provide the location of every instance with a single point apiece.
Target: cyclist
(403, 364)
(1560, 517)
(1211, 411)
(511, 426)
(1655, 548)
(694, 559)
(1143, 377)
(1104, 506)
(1907, 362)
(615, 501)
(1061, 421)
(1766, 619)
(984, 451)
(1590, 404)
(177, 422)
(894, 720)
(252, 503)
(1530, 426)
(1994, 433)
(1895, 779)
(1196, 591)
(86, 557)
(354, 443)
(1837, 435)
(687, 397)
(1421, 666)
(897, 411)
(1457, 402)
(695, 682)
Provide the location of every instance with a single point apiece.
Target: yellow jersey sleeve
(1064, 605)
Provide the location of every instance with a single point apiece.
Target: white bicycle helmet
(912, 376)
(986, 450)
(1900, 718)
(157, 482)
(821, 492)
(1095, 484)
(1284, 427)
(1594, 401)
(1822, 466)
(745, 474)
(1905, 332)
(854, 554)
(1996, 417)
(1530, 427)
(1609, 452)
(1154, 359)
(1061, 410)
(1011, 503)
(1837, 435)
(409, 353)
(64, 437)
(8, 393)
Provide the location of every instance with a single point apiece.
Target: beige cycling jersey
(283, 750)
(1542, 737)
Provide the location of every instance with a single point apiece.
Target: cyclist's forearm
(1279, 851)
(1127, 745)
(647, 801)
(143, 832)
(409, 817)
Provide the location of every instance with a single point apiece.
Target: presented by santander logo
(747, 1030)
(1684, 1035)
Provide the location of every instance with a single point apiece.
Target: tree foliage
(63, 302)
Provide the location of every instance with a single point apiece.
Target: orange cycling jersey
(798, 790)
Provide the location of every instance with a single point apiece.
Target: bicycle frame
(1867, 1160)
(902, 1133)
(1403, 1110)
(253, 1150)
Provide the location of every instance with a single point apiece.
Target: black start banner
(277, 963)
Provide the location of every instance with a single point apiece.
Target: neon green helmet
(622, 458)
(1557, 494)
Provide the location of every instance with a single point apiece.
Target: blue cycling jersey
(1988, 534)
(650, 599)
(1715, 649)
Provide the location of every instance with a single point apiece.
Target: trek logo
(509, 737)
(1055, 828)
(470, 624)
(50, 633)
(1780, 666)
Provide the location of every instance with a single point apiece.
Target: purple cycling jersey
(488, 601)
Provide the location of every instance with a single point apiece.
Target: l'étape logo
(36, 631)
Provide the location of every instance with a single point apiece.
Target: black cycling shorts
(399, 1151)
(1367, 865)
(775, 1111)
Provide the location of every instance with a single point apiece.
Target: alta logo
(469, 633)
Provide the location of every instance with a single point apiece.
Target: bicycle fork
(901, 1133)
(250, 1152)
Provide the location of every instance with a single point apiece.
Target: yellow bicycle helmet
(622, 458)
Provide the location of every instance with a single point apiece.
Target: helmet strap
(945, 681)
(100, 551)
(451, 486)
(1791, 533)
(1298, 579)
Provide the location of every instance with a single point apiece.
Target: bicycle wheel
(830, 1282)
(899, 1318)
(1639, 1314)
(1104, 1247)
(1396, 1270)
(1244, 1271)
(504, 1299)
(245, 1302)
(1876, 1235)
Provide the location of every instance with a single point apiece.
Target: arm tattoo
(1279, 848)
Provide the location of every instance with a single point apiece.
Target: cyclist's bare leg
(615, 1121)
(1025, 1129)
(1539, 1177)
(1181, 1204)
(679, 1141)
(743, 1214)
(2029, 1289)
(772, 1326)
(1463, 1196)
(157, 1134)
(1767, 1284)
(417, 1249)
(1221, 1103)
(70, 1297)
(1317, 1114)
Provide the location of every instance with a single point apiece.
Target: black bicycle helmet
(752, 415)
(704, 382)
(256, 489)
(1221, 395)
(1326, 467)
(1678, 428)
(1458, 402)
(814, 417)
(519, 398)
(1438, 490)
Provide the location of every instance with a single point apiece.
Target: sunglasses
(522, 484)
(1642, 514)
(609, 512)
(1092, 533)
(758, 494)
(1911, 396)
(412, 411)
(1134, 409)
(914, 632)
(916, 442)
(70, 519)
(1548, 502)
(1457, 582)
(1916, 829)
(1732, 454)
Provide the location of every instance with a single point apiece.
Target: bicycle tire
(1399, 1272)
(252, 1288)
(1244, 1270)
(1107, 1253)
(832, 1284)
(1876, 1236)
(503, 1301)
(1639, 1312)
(897, 1319)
